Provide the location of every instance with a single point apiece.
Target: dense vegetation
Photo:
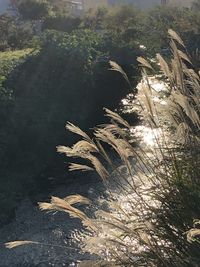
(54, 69)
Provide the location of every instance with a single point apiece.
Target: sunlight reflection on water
(146, 134)
(156, 84)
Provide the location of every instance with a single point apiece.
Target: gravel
(51, 229)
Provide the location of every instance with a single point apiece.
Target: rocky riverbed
(52, 230)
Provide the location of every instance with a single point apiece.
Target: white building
(186, 3)
(80, 6)
(138, 3)
(145, 4)
(4, 6)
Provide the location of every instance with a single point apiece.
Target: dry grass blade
(184, 102)
(114, 129)
(68, 151)
(99, 167)
(145, 238)
(58, 204)
(116, 117)
(116, 67)
(15, 244)
(79, 167)
(176, 37)
(144, 63)
(182, 133)
(121, 146)
(193, 234)
(178, 74)
(74, 129)
(104, 153)
(74, 199)
(164, 66)
(184, 56)
(106, 136)
(80, 149)
(147, 103)
(124, 149)
(46, 206)
(85, 146)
